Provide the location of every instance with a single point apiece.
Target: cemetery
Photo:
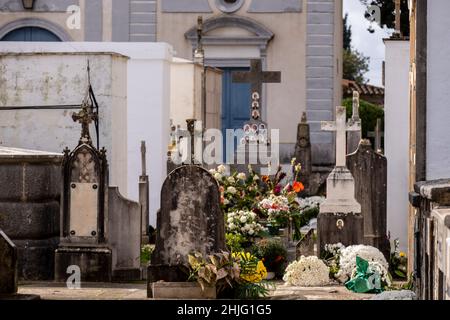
(145, 166)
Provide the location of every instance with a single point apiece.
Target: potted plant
(274, 255)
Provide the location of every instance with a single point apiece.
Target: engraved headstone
(190, 220)
(340, 218)
(85, 183)
(369, 169)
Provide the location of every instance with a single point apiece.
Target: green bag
(365, 280)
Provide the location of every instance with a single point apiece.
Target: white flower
(231, 180)
(212, 171)
(230, 220)
(243, 219)
(218, 176)
(241, 176)
(255, 177)
(251, 232)
(231, 226)
(231, 190)
(221, 169)
(307, 272)
(347, 261)
(226, 202)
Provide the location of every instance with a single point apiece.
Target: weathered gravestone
(190, 220)
(84, 203)
(101, 230)
(303, 154)
(8, 265)
(369, 169)
(340, 218)
(306, 246)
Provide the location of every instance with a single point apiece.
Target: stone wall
(29, 208)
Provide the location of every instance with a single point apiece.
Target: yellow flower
(402, 254)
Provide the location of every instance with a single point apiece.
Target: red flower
(298, 186)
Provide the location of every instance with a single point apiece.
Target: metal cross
(256, 76)
(85, 117)
(377, 135)
(341, 127)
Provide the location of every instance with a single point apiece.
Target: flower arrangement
(307, 272)
(273, 253)
(243, 223)
(276, 209)
(347, 262)
(252, 269)
(398, 262)
(146, 253)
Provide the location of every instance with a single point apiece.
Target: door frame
(34, 22)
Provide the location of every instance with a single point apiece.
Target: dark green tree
(347, 34)
(387, 16)
(355, 66)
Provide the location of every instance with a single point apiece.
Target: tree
(355, 63)
(355, 66)
(347, 34)
(387, 14)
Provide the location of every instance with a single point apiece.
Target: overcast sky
(370, 44)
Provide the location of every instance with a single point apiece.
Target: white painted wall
(142, 91)
(397, 138)
(438, 90)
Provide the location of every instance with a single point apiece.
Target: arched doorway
(30, 34)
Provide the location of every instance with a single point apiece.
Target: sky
(370, 44)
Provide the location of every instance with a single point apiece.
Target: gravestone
(354, 137)
(144, 196)
(369, 169)
(190, 220)
(340, 218)
(84, 203)
(255, 140)
(306, 246)
(378, 135)
(303, 154)
(8, 266)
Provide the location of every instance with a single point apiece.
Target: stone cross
(86, 116)
(377, 135)
(143, 158)
(256, 77)
(354, 137)
(341, 127)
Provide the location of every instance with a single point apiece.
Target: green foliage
(253, 291)
(273, 253)
(355, 65)
(146, 253)
(368, 112)
(235, 242)
(388, 14)
(218, 270)
(347, 36)
(398, 262)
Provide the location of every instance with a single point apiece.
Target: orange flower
(298, 187)
(265, 179)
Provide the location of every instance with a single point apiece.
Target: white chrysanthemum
(231, 180)
(347, 261)
(221, 169)
(231, 190)
(307, 272)
(218, 176)
(241, 176)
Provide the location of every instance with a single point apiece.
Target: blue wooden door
(236, 101)
(30, 34)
